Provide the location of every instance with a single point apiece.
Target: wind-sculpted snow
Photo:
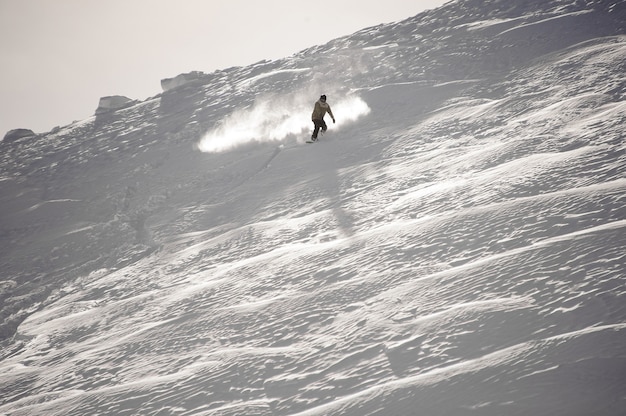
(453, 246)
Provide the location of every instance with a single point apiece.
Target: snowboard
(316, 140)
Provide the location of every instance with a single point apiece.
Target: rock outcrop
(16, 134)
(112, 103)
(180, 80)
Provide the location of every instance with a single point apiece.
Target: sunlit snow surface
(457, 247)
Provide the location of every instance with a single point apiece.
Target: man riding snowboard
(319, 111)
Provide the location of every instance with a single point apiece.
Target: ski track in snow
(459, 250)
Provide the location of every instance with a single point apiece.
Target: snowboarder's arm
(331, 114)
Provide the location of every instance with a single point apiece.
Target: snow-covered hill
(454, 245)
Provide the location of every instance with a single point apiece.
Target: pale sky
(58, 57)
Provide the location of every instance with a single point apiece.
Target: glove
(333, 121)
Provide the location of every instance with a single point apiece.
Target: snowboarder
(319, 111)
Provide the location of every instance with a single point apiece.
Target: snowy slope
(454, 245)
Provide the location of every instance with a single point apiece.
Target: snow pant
(319, 124)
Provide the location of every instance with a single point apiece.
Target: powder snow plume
(272, 119)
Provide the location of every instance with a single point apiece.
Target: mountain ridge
(453, 247)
